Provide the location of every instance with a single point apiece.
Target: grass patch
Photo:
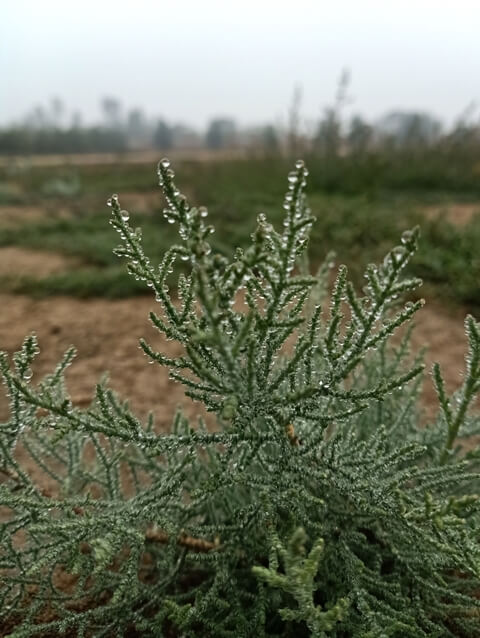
(90, 238)
(361, 225)
(111, 283)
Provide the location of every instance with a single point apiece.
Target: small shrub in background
(315, 504)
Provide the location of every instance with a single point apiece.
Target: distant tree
(15, 140)
(37, 118)
(112, 112)
(465, 134)
(269, 138)
(328, 140)
(72, 140)
(221, 133)
(136, 122)
(137, 129)
(163, 136)
(359, 135)
(409, 129)
(57, 111)
(76, 121)
(293, 135)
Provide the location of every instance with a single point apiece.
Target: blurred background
(379, 98)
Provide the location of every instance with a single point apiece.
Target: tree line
(52, 129)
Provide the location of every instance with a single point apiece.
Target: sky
(190, 60)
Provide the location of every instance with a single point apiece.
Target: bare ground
(127, 157)
(16, 215)
(19, 262)
(106, 335)
(459, 213)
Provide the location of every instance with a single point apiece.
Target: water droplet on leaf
(293, 177)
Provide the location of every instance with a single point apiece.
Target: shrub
(314, 503)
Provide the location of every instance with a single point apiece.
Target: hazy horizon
(189, 61)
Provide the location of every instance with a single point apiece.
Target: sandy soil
(106, 335)
(457, 213)
(20, 262)
(15, 215)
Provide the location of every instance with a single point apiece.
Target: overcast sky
(188, 60)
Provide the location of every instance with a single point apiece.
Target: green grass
(111, 283)
(90, 238)
(359, 226)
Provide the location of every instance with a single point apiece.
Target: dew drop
(299, 164)
(292, 177)
(164, 162)
(203, 211)
(398, 252)
(125, 215)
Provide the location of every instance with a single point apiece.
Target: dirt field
(105, 334)
(458, 213)
(127, 157)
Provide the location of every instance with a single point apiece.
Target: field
(58, 275)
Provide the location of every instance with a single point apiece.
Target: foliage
(312, 504)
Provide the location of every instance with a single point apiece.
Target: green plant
(313, 503)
